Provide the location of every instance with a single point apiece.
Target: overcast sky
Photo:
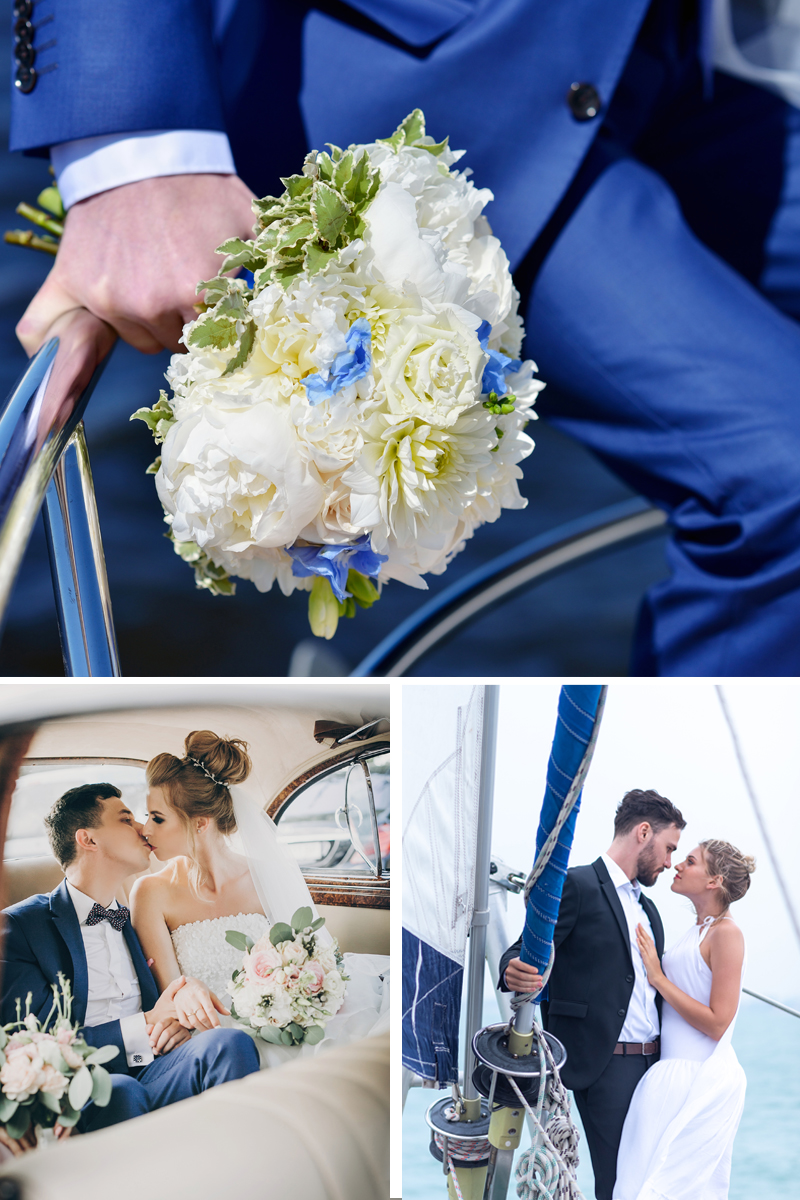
(672, 736)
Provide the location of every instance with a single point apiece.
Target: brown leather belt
(636, 1047)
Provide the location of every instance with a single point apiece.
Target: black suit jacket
(592, 979)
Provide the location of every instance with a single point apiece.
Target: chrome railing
(43, 460)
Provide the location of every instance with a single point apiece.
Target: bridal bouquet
(352, 408)
(48, 1074)
(289, 985)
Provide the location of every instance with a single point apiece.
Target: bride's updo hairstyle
(197, 784)
(735, 868)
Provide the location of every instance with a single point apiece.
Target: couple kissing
(152, 980)
(648, 1033)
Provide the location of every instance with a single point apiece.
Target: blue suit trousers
(662, 313)
(211, 1057)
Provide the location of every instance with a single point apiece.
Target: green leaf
(239, 940)
(286, 1037)
(50, 199)
(363, 589)
(281, 932)
(101, 1086)
(316, 258)
(246, 343)
(18, 1124)
(49, 1101)
(343, 170)
(413, 128)
(214, 289)
(295, 233)
(329, 211)
(102, 1054)
(314, 1034)
(297, 185)
(219, 332)
(302, 918)
(320, 921)
(436, 148)
(296, 1031)
(80, 1089)
(155, 466)
(7, 1108)
(285, 274)
(3, 1038)
(269, 1033)
(70, 1116)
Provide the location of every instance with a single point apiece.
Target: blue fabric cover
(432, 985)
(577, 709)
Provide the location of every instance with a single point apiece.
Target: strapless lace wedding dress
(678, 1135)
(203, 953)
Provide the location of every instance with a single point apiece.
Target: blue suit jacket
(280, 74)
(43, 937)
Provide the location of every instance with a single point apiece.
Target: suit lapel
(147, 984)
(610, 893)
(66, 922)
(655, 922)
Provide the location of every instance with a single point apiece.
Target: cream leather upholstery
(316, 1129)
(359, 930)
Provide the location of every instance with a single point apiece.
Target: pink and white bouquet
(352, 407)
(290, 984)
(48, 1071)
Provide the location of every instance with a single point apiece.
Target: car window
(39, 784)
(314, 827)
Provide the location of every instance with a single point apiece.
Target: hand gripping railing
(43, 459)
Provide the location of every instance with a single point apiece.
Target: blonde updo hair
(735, 868)
(190, 789)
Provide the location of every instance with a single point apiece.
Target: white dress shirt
(641, 1020)
(114, 992)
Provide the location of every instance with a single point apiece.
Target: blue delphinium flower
(498, 366)
(333, 562)
(349, 366)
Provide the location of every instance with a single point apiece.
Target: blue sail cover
(579, 707)
(432, 985)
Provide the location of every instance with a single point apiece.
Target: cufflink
(137, 1058)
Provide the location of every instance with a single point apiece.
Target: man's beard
(647, 872)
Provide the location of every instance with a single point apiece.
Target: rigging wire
(759, 815)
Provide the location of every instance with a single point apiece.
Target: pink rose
(259, 964)
(19, 1077)
(53, 1082)
(314, 968)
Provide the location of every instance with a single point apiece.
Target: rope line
(461, 1152)
(548, 1172)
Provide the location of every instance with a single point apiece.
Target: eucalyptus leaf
(281, 932)
(314, 1034)
(49, 1101)
(237, 940)
(69, 1116)
(7, 1108)
(101, 1086)
(302, 919)
(102, 1054)
(80, 1089)
(286, 1037)
(3, 1038)
(295, 1030)
(315, 925)
(269, 1033)
(18, 1124)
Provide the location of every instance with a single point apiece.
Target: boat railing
(44, 461)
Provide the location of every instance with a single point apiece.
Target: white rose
(431, 365)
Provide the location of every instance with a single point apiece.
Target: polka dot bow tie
(116, 917)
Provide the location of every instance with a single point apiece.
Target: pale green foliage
(411, 132)
(206, 573)
(157, 419)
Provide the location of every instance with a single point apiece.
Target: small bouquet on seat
(289, 984)
(351, 408)
(48, 1071)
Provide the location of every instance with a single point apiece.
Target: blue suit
(42, 938)
(661, 278)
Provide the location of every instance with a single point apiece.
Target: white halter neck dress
(203, 953)
(678, 1135)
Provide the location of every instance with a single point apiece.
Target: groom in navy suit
(650, 206)
(80, 930)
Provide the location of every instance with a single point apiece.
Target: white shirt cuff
(96, 164)
(136, 1040)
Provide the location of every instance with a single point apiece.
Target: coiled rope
(548, 1171)
(461, 1152)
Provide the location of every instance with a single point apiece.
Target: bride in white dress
(182, 914)
(678, 1135)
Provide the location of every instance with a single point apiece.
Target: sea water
(766, 1156)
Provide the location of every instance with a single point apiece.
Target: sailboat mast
(476, 968)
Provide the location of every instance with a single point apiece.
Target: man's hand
(164, 1007)
(165, 1035)
(134, 255)
(520, 977)
(19, 1146)
(197, 1007)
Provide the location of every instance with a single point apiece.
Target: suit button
(584, 101)
(629, 979)
(620, 1012)
(25, 79)
(25, 55)
(23, 30)
(23, 8)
